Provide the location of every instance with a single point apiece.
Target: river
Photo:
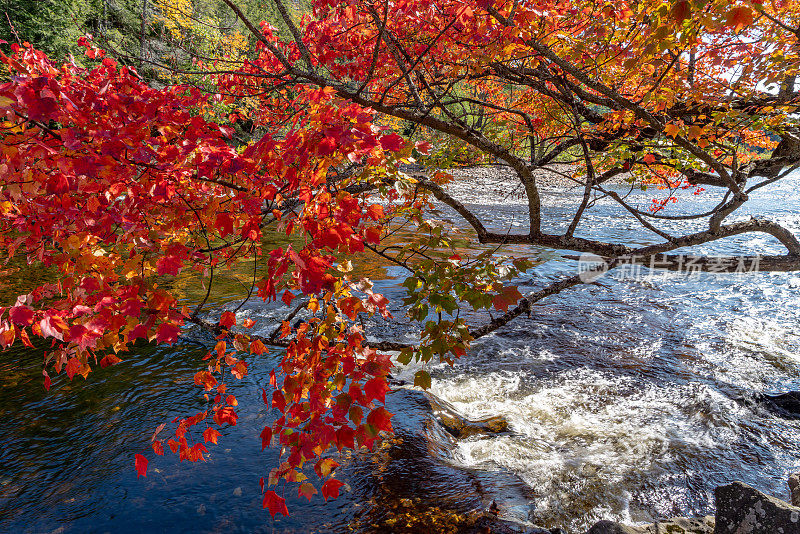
(628, 399)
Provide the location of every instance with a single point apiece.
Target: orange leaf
(239, 370)
(375, 212)
(325, 466)
(306, 490)
(257, 347)
(205, 379)
(73, 366)
(508, 296)
(109, 360)
(226, 415)
(210, 435)
(739, 17)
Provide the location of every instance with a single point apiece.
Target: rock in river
(785, 405)
(461, 427)
(794, 488)
(678, 525)
(745, 510)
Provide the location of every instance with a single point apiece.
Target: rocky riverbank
(741, 509)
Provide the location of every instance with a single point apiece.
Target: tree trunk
(104, 20)
(142, 33)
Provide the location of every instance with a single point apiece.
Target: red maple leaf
(167, 333)
(508, 296)
(169, 265)
(21, 315)
(380, 418)
(376, 389)
(266, 437)
(275, 504)
(141, 466)
(392, 142)
(227, 320)
(224, 224)
(330, 489)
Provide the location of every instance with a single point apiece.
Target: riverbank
(502, 183)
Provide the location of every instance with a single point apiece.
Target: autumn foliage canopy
(117, 186)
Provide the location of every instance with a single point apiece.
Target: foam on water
(634, 400)
(581, 438)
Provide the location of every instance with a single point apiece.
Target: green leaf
(422, 379)
(405, 356)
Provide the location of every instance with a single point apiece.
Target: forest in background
(142, 33)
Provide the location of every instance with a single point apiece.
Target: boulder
(461, 427)
(745, 510)
(794, 488)
(677, 525)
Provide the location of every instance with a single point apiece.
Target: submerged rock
(678, 525)
(461, 427)
(742, 509)
(785, 405)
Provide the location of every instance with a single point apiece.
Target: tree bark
(142, 33)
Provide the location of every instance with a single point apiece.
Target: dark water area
(629, 399)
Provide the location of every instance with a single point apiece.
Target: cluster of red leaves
(114, 185)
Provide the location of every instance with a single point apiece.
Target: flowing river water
(629, 399)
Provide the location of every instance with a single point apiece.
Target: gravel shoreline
(554, 176)
(501, 182)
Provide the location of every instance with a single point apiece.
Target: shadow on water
(67, 459)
